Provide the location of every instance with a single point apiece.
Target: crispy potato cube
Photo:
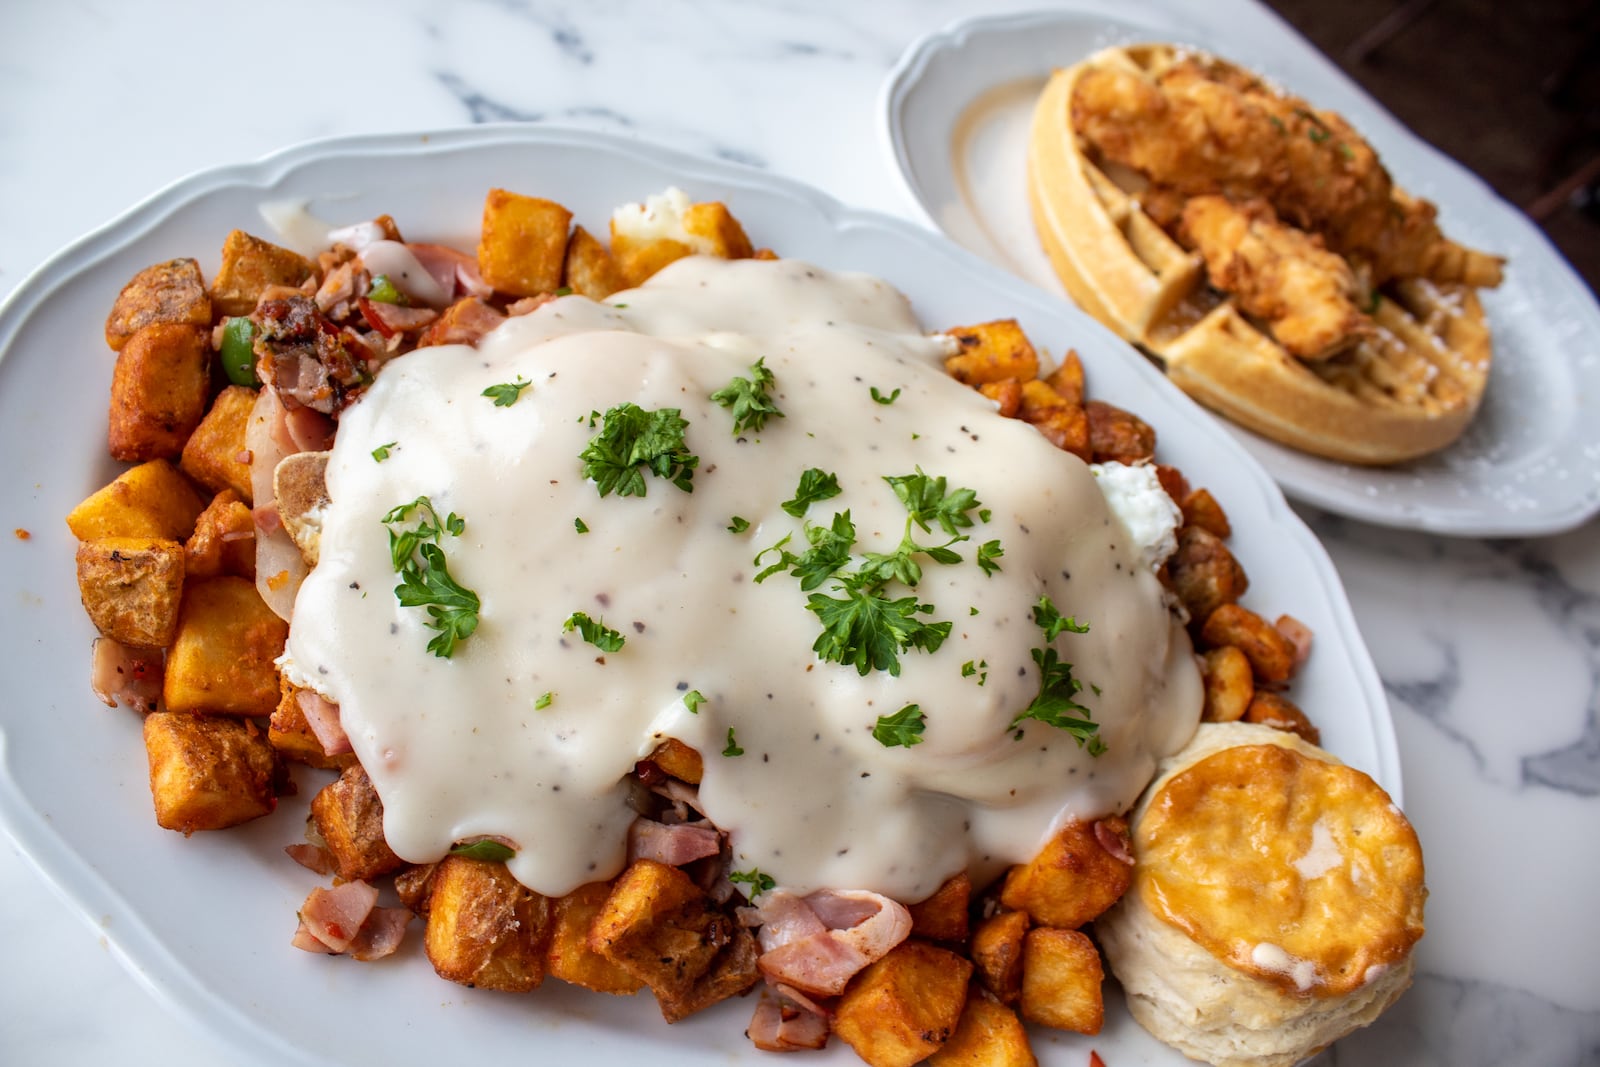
(716, 231)
(251, 265)
(943, 916)
(1271, 655)
(1173, 483)
(349, 815)
(1229, 684)
(1067, 379)
(1061, 980)
(208, 774)
(589, 269)
(524, 243)
(1118, 436)
(151, 500)
(660, 927)
(222, 658)
(1064, 425)
(224, 540)
(290, 733)
(1007, 395)
(414, 885)
(679, 760)
(989, 1035)
(131, 588)
(731, 974)
(992, 352)
(1204, 574)
(1072, 880)
(485, 928)
(159, 391)
(1201, 509)
(1281, 713)
(640, 259)
(903, 1008)
(165, 292)
(569, 956)
(215, 453)
(997, 954)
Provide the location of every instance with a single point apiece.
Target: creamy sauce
(457, 747)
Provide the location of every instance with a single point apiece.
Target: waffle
(1408, 386)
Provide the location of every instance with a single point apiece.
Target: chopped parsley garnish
(738, 525)
(580, 526)
(507, 393)
(596, 633)
(928, 500)
(425, 580)
(692, 701)
(747, 399)
(544, 701)
(815, 485)
(381, 453)
(733, 748)
(988, 552)
(383, 291)
(980, 669)
(487, 850)
(1056, 704)
(867, 630)
(759, 883)
(1048, 619)
(632, 441)
(565, 290)
(902, 729)
(885, 400)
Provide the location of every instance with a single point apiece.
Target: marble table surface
(1489, 650)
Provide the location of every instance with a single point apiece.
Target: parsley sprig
(747, 399)
(595, 632)
(930, 501)
(815, 485)
(632, 441)
(507, 393)
(902, 729)
(759, 883)
(1055, 704)
(425, 580)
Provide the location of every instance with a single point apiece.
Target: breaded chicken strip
(1307, 297)
(1200, 127)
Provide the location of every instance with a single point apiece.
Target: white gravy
(457, 747)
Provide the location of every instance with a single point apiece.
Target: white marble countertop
(1490, 651)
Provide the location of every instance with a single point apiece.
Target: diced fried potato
(414, 885)
(249, 267)
(1117, 436)
(589, 269)
(715, 231)
(159, 391)
(1061, 981)
(731, 974)
(903, 1008)
(640, 259)
(215, 454)
(224, 540)
(1173, 483)
(131, 588)
(485, 928)
(1271, 655)
(1072, 879)
(1281, 713)
(1201, 509)
(943, 916)
(349, 815)
(679, 760)
(1204, 574)
(992, 352)
(997, 954)
(222, 658)
(1067, 379)
(164, 292)
(989, 1035)
(1064, 425)
(523, 244)
(290, 733)
(1007, 395)
(1229, 684)
(151, 500)
(660, 927)
(569, 956)
(208, 774)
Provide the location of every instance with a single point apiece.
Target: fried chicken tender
(1201, 127)
(1306, 296)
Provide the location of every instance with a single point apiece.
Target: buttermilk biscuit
(1276, 897)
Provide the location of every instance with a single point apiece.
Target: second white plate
(955, 112)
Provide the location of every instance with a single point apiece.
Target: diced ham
(391, 319)
(452, 269)
(339, 288)
(276, 552)
(804, 951)
(673, 845)
(1113, 837)
(125, 676)
(780, 1027)
(784, 917)
(334, 916)
(305, 939)
(529, 304)
(323, 717)
(466, 323)
(310, 430)
(381, 934)
(1299, 635)
(311, 857)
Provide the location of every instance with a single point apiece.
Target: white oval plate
(205, 922)
(955, 112)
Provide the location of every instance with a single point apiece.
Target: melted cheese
(459, 747)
